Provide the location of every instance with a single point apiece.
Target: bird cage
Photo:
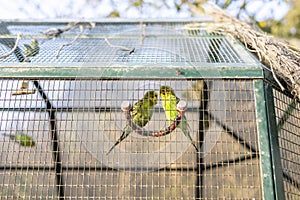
(70, 90)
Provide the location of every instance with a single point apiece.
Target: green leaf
(227, 3)
(114, 14)
(137, 3)
(23, 140)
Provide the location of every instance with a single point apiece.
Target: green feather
(32, 49)
(141, 114)
(169, 103)
(22, 139)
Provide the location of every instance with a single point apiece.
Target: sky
(79, 9)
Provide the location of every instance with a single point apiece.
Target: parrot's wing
(136, 108)
(27, 46)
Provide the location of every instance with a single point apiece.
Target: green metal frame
(143, 71)
(271, 170)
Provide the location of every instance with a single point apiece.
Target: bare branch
(13, 49)
(70, 43)
(117, 46)
(55, 32)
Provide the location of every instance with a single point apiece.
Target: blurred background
(277, 17)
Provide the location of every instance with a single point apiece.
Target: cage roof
(120, 44)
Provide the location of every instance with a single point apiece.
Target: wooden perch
(126, 108)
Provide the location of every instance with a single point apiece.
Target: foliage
(243, 10)
(263, 13)
(289, 26)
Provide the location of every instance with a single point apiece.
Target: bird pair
(142, 112)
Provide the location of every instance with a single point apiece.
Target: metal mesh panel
(75, 122)
(155, 43)
(162, 50)
(288, 123)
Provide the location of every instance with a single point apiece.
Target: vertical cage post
(274, 143)
(268, 146)
(54, 140)
(199, 159)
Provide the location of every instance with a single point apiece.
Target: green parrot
(31, 49)
(23, 139)
(141, 114)
(169, 103)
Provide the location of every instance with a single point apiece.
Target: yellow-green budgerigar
(23, 139)
(141, 114)
(169, 103)
(31, 49)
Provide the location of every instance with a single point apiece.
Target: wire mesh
(287, 112)
(82, 119)
(106, 43)
(74, 121)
